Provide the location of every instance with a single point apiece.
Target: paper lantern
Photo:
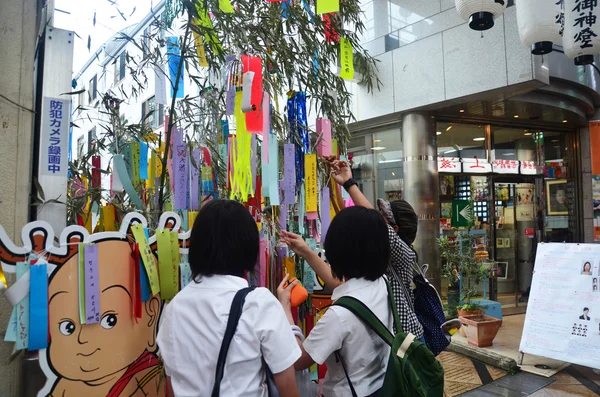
(541, 24)
(480, 13)
(581, 38)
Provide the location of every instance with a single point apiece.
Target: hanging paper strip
(192, 215)
(301, 210)
(195, 189)
(21, 311)
(283, 213)
(202, 61)
(209, 32)
(144, 160)
(137, 283)
(346, 59)
(299, 125)
(325, 213)
(253, 163)
(254, 119)
(324, 137)
(262, 263)
(144, 280)
(334, 148)
(290, 266)
(331, 33)
(273, 170)
(175, 260)
(310, 165)
(174, 59)
(81, 279)
(327, 6)
(180, 170)
(92, 284)
(289, 174)
(109, 220)
(147, 258)
(96, 173)
(121, 169)
(165, 264)
(160, 85)
(186, 274)
(38, 307)
(11, 328)
(242, 183)
(135, 164)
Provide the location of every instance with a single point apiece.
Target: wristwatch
(349, 183)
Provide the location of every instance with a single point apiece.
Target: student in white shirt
(224, 244)
(358, 251)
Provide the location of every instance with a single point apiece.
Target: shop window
(120, 67)
(515, 144)
(152, 115)
(387, 149)
(92, 139)
(456, 140)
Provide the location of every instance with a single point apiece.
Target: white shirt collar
(350, 285)
(220, 282)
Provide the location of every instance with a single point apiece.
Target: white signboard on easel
(563, 314)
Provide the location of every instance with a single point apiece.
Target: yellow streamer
(209, 31)
(346, 59)
(202, 61)
(241, 183)
(225, 6)
(192, 215)
(108, 218)
(310, 175)
(334, 147)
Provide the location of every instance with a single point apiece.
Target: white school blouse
(364, 353)
(192, 330)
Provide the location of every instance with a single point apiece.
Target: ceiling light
(528, 134)
(516, 116)
(450, 151)
(508, 154)
(565, 121)
(449, 128)
(438, 133)
(478, 139)
(378, 148)
(554, 140)
(393, 174)
(462, 110)
(389, 161)
(377, 140)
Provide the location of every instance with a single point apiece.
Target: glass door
(514, 239)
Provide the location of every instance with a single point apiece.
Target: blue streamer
(38, 307)
(299, 126)
(143, 160)
(144, 283)
(174, 56)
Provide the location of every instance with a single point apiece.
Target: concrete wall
(18, 28)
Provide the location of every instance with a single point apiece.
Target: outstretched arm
(341, 173)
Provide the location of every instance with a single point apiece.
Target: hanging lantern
(581, 38)
(480, 13)
(541, 24)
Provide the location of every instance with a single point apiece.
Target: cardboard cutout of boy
(116, 357)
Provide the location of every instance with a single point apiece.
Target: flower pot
(465, 313)
(480, 329)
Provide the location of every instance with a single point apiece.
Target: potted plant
(463, 264)
(449, 253)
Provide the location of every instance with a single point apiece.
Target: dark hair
(357, 244)
(224, 240)
(406, 220)
(585, 309)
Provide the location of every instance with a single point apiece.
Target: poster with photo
(563, 316)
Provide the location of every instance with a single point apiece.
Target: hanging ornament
(480, 13)
(581, 38)
(541, 24)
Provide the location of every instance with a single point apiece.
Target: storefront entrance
(515, 230)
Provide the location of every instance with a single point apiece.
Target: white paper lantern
(581, 38)
(480, 13)
(541, 24)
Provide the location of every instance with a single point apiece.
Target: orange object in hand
(298, 295)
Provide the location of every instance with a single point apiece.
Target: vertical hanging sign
(38, 307)
(310, 172)
(346, 59)
(147, 258)
(289, 174)
(174, 57)
(92, 285)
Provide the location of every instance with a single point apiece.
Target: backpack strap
(365, 314)
(393, 306)
(232, 322)
(338, 357)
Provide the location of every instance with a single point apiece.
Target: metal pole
(421, 187)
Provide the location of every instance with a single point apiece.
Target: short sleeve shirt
(192, 330)
(364, 353)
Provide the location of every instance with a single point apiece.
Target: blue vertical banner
(144, 160)
(174, 57)
(38, 307)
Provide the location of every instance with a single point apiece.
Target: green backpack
(412, 370)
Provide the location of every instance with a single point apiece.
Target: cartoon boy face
(99, 353)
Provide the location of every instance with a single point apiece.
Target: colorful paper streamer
(38, 307)
(147, 258)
